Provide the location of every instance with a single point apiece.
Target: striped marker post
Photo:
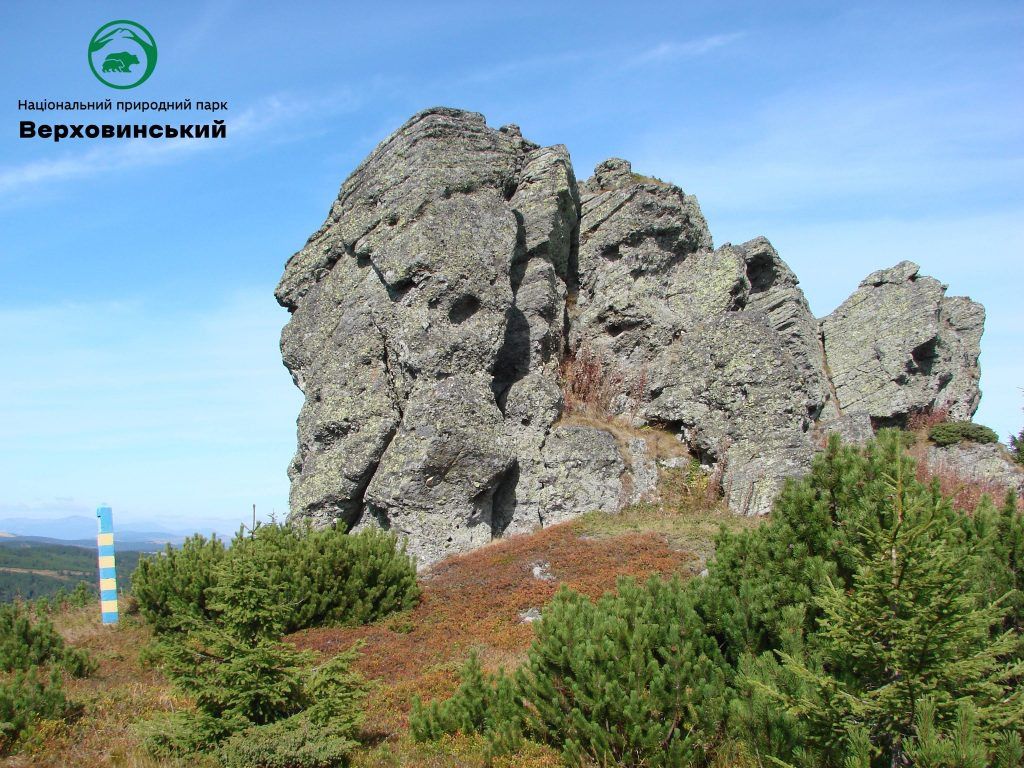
(108, 573)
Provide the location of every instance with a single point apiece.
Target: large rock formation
(461, 266)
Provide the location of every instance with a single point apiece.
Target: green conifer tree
(1017, 447)
(908, 629)
(631, 680)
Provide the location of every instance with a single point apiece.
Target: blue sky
(139, 331)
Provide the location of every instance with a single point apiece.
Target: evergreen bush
(631, 680)
(28, 696)
(257, 699)
(483, 703)
(33, 656)
(318, 577)
(962, 744)
(171, 587)
(1017, 447)
(866, 624)
(322, 735)
(329, 577)
(954, 432)
(28, 641)
(908, 628)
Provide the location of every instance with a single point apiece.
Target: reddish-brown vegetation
(474, 601)
(592, 382)
(924, 419)
(966, 492)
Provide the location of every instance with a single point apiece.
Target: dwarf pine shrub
(32, 657)
(868, 623)
(631, 680)
(954, 432)
(321, 735)
(318, 577)
(171, 587)
(483, 703)
(258, 700)
(1017, 447)
(26, 697)
(28, 641)
(328, 577)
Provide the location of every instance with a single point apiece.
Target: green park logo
(122, 54)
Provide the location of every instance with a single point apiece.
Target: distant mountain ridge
(81, 530)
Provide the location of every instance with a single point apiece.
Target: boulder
(987, 463)
(583, 468)
(899, 345)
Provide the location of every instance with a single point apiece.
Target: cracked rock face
(461, 265)
(899, 345)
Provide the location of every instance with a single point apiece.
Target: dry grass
(640, 178)
(688, 514)
(661, 446)
(593, 384)
(458, 751)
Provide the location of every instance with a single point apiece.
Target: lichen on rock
(461, 266)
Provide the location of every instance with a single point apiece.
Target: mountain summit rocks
(459, 269)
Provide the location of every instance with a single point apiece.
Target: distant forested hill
(30, 569)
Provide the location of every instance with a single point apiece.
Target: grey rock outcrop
(736, 394)
(987, 463)
(459, 269)
(436, 480)
(584, 469)
(900, 345)
(854, 427)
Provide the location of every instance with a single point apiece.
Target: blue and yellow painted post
(108, 573)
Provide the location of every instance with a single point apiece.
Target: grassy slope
(469, 602)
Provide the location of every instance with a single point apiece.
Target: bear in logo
(120, 62)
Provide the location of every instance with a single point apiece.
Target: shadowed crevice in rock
(463, 308)
(513, 359)
(460, 265)
(505, 501)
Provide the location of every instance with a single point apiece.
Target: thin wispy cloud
(626, 57)
(669, 51)
(808, 148)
